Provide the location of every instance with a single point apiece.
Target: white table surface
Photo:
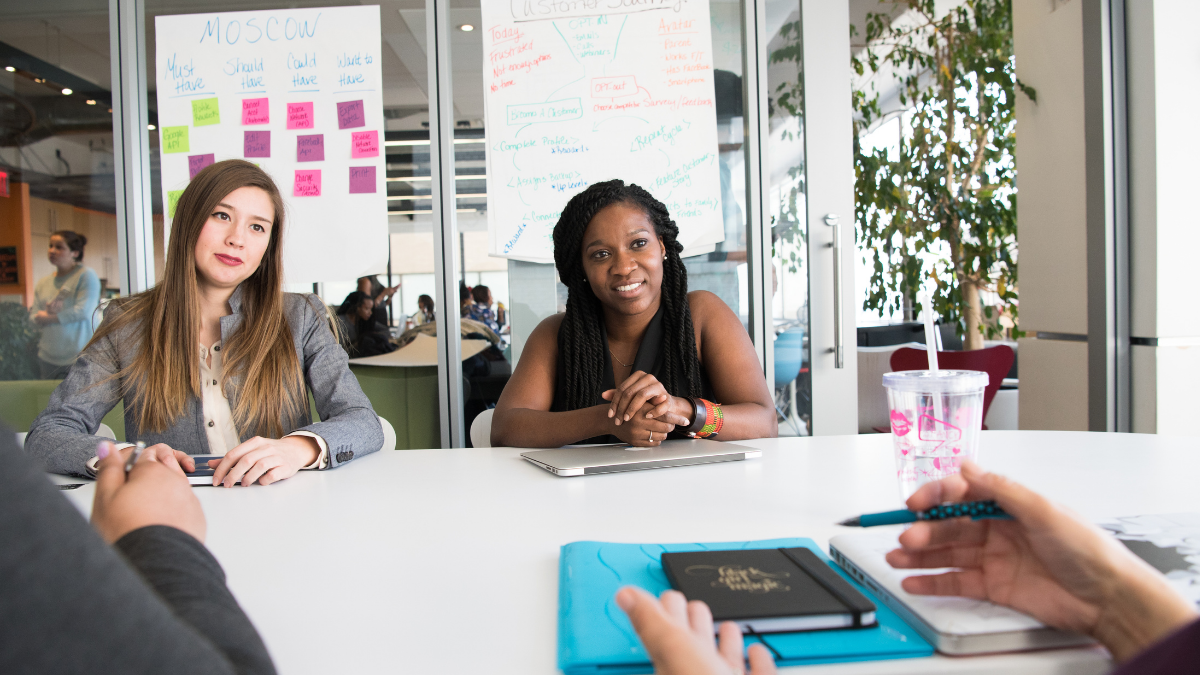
(446, 561)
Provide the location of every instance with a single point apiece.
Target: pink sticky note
(257, 144)
(362, 180)
(300, 115)
(350, 115)
(308, 183)
(364, 144)
(310, 148)
(196, 163)
(255, 111)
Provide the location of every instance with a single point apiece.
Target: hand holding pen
(154, 491)
(981, 510)
(1042, 560)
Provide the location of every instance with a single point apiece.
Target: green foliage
(788, 99)
(945, 205)
(18, 343)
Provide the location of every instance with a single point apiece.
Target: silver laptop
(584, 460)
(956, 626)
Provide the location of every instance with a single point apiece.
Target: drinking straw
(930, 336)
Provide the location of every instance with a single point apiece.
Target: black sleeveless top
(649, 359)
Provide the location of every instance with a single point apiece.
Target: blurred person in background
(63, 304)
(481, 309)
(424, 313)
(362, 334)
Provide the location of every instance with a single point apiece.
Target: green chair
(405, 397)
(22, 400)
(408, 399)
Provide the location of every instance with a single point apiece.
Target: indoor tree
(944, 206)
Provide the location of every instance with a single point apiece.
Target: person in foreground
(678, 636)
(1052, 565)
(155, 601)
(635, 356)
(216, 359)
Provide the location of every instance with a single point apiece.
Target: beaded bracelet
(713, 418)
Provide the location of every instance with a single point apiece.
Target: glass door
(518, 294)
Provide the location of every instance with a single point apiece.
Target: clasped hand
(643, 412)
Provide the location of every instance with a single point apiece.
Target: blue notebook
(595, 636)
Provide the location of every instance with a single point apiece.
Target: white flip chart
(583, 91)
(298, 92)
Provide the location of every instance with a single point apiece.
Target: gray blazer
(61, 436)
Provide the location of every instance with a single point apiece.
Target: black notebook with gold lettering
(773, 590)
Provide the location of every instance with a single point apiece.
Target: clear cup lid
(936, 381)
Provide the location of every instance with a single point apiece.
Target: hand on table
(265, 460)
(184, 460)
(154, 493)
(678, 636)
(1045, 562)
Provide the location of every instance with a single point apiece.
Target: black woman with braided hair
(635, 356)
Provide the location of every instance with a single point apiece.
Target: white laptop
(952, 625)
(585, 460)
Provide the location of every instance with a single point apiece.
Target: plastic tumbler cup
(936, 417)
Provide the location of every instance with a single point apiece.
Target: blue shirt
(79, 291)
(483, 314)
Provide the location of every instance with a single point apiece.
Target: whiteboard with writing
(298, 92)
(583, 91)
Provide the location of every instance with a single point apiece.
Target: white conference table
(446, 561)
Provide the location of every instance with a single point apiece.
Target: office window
(56, 176)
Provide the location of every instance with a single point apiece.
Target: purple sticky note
(362, 180)
(310, 148)
(364, 144)
(308, 183)
(300, 115)
(196, 163)
(255, 111)
(257, 144)
(350, 115)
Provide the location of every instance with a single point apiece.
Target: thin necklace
(627, 365)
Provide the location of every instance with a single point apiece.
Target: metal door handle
(839, 360)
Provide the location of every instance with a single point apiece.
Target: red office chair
(995, 361)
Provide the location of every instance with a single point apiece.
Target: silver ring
(651, 436)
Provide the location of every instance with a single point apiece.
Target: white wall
(1164, 140)
(1051, 203)
(1051, 213)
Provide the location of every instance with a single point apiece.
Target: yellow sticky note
(174, 139)
(205, 112)
(173, 199)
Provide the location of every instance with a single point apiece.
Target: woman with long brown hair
(215, 359)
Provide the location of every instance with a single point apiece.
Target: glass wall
(56, 176)
(789, 223)
(524, 293)
(56, 158)
(406, 146)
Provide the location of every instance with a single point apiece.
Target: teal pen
(974, 510)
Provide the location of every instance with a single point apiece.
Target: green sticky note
(174, 139)
(205, 112)
(172, 199)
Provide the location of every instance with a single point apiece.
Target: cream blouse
(218, 416)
